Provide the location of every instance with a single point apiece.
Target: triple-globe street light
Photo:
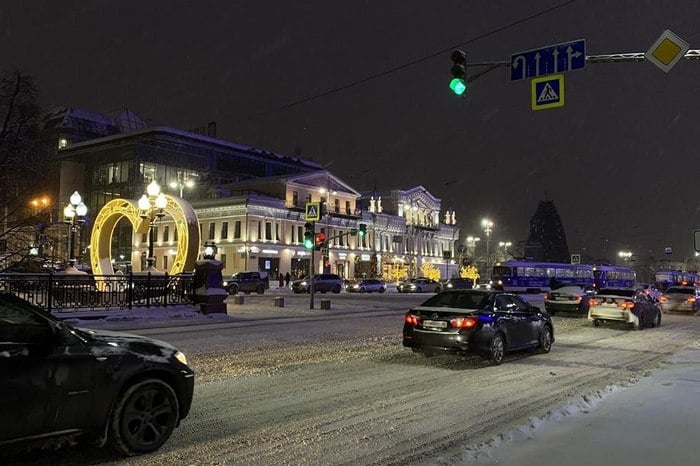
(487, 225)
(151, 206)
(74, 216)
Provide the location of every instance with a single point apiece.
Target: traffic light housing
(362, 229)
(309, 235)
(319, 240)
(458, 84)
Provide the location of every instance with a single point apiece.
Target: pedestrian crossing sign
(548, 92)
(312, 212)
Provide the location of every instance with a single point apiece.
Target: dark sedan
(61, 383)
(569, 298)
(488, 323)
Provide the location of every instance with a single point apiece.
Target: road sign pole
(312, 269)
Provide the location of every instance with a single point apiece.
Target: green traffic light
(458, 86)
(308, 243)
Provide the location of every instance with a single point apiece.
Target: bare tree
(23, 165)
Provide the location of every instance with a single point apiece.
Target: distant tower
(547, 241)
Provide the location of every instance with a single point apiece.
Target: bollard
(238, 299)
(279, 301)
(325, 304)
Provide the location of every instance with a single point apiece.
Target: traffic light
(320, 240)
(362, 229)
(458, 84)
(309, 235)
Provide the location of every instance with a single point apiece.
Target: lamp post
(181, 183)
(487, 225)
(151, 206)
(505, 245)
(625, 256)
(74, 216)
(471, 245)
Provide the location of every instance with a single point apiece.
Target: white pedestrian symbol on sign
(312, 211)
(548, 94)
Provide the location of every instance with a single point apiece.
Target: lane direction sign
(553, 59)
(548, 92)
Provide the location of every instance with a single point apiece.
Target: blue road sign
(554, 59)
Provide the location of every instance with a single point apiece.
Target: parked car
(489, 323)
(458, 284)
(568, 298)
(60, 383)
(680, 298)
(624, 305)
(247, 282)
(367, 285)
(419, 285)
(323, 283)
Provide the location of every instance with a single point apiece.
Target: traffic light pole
(313, 269)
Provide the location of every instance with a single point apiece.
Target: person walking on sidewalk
(287, 279)
(281, 280)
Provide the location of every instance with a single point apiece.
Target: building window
(222, 258)
(300, 234)
(277, 231)
(295, 198)
(347, 208)
(175, 234)
(259, 231)
(62, 142)
(165, 262)
(308, 197)
(144, 238)
(336, 207)
(155, 234)
(166, 233)
(237, 230)
(268, 230)
(212, 230)
(224, 230)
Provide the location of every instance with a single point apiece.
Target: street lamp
(624, 255)
(151, 206)
(74, 216)
(182, 183)
(487, 225)
(471, 245)
(505, 245)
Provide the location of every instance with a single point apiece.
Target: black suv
(61, 383)
(247, 282)
(323, 282)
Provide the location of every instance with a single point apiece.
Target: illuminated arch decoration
(186, 225)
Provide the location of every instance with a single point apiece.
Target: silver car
(680, 298)
(368, 285)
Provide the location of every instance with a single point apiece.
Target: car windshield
(616, 292)
(458, 300)
(681, 290)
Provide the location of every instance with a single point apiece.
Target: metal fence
(63, 292)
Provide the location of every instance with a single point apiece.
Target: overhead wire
(412, 62)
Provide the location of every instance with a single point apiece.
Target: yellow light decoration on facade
(182, 213)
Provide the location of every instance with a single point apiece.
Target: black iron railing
(62, 292)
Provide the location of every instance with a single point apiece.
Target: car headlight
(412, 286)
(355, 286)
(450, 285)
(225, 283)
(180, 356)
(303, 283)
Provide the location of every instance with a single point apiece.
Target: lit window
(62, 142)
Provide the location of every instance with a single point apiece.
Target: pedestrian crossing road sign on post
(576, 258)
(312, 212)
(548, 92)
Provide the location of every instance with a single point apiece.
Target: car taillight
(691, 299)
(593, 302)
(578, 298)
(663, 298)
(464, 322)
(627, 304)
(546, 296)
(412, 319)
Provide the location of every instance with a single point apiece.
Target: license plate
(561, 298)
(435, 323)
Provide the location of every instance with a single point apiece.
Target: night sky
(620, 160)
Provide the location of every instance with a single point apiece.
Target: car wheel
(419, 290)
(497, 349)
(260, 289)
(437, 289)
(640, 323)
(657, 321)
(336, 289)
(144, 417)
(546, 340)
(233, 290)
(382, 290)
(362, 290)
(596, 323)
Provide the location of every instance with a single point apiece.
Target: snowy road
(338, 388)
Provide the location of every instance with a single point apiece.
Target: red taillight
(663, 299)
(464, 322)
(579, 298)
(691, 299)
(627, 304)
(412, 319)
(593, 302)
(546, 296)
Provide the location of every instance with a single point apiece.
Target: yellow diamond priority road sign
(667, 50)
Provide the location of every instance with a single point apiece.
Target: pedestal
(209, 292)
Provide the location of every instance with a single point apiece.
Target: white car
(624, 305)
(368, 285)
(680, 298)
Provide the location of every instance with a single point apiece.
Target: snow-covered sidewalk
(651, 422)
